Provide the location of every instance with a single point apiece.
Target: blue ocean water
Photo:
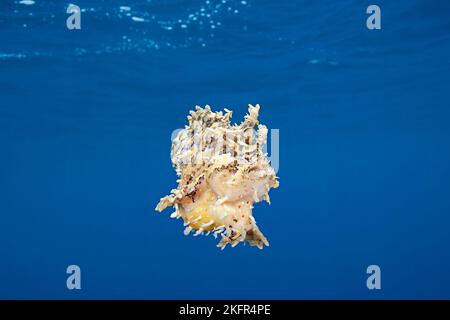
(86, 118)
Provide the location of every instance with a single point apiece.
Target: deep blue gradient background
(85, 124)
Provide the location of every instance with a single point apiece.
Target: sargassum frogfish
(223, 171)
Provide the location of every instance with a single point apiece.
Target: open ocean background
(86, 118)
